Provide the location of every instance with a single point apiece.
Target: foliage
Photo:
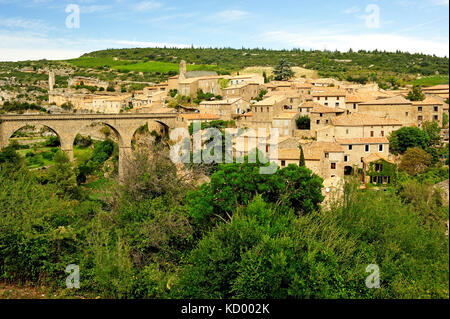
(52, 141)
(303, 122)
(415, 160)
(234, 185)
(387, 170)
(407, 137)
(62, 175)
(416, 94)
(283, 71)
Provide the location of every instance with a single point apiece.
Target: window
(321, 114)
(346, 132)
(420, 118)
(283, 163)
(326, 121)
(345, 158)
(267, 109)
(333, 165)
(327, 155)
(380, 148)
(326, 98)
(406, 113)
(420, 109)
(299, 109)
(367, 148)
(337, 104)
(318, 122)
(350, 147)
(326, 103)
(436, 108)
(372, 133)
(382, 133)
(354, 106)
(337, 98)
(435, 118)
(262, 109)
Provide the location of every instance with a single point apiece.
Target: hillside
(388, 68)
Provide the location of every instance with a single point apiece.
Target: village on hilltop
(342, 127)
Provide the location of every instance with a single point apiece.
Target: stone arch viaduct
(67, 126)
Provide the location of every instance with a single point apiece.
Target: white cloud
(19, 46)
(230, 16)
(94, 9)
(22, 23)
(351, 10)
(343, 42)
(440, 2)
(147, 5)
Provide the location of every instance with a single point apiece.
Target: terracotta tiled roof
(310, 104)
(376, 157)
(329, 93)
(358, 119)
(323, 109)
(429, 100)
(286, 115)
(387, 101)
(364, 140)
(227, 101)
(436, 87)
(199, 116)
(353, 99)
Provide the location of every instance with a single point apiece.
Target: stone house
(429, 110)
(285, 123)
(321, 116)
(396, 107)
(208, 84)
(227, 110)
(330, 98)
(379, 170)
(247, 91)
(323, 158)
(264, 111)
(356, 149)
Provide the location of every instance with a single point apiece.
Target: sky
(61, 29)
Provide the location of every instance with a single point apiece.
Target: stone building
(285, 123)
(228, 109)
(396, 107)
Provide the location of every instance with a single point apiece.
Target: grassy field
(128, 65)
(431, 80)
(39, 159)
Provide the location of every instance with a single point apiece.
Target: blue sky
(34, 29)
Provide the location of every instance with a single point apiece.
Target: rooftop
(364, 140)
(388, 101)
(358, 119)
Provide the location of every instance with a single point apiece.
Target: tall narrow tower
(51, 80)
(182, 70)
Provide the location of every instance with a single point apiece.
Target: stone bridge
(67, 126)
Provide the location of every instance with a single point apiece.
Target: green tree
(407, 137)
(416, 94)
(283, 71)
(303, 122)
(234, 185)
(10, 159)
(415, 161)
(433, 131)
(63, 175)
(302, 157)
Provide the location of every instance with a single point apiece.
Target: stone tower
(182, 70)
(51, 80)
